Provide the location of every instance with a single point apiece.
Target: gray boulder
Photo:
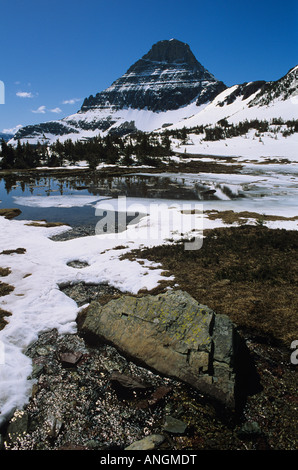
(172, 334)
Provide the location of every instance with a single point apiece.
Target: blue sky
(54, 53)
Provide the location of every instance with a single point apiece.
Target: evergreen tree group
(140, 148)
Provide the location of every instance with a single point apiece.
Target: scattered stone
(89, 414)
(70, 359)
(3, 315)
(43, 351)
(159, 394)
(44, 223)
(174, 425)
(70, 446)
(83, 293)
(55, 424)
(249, 429)
(148, 443)
(77, 264)
(18, 425)
(128, 381)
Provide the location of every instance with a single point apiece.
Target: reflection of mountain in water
(142, 186)
(157, 187)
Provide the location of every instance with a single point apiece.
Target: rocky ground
(93, 398)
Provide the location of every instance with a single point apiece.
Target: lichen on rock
(172, 334)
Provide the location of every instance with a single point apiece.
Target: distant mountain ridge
(168, 87)
(5, 136)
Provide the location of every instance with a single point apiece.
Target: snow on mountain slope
(267, 101)
(169, 88)
(156, 90)
(166, 78)
(248, 147)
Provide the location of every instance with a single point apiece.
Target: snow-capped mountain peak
(167, 77)
(168, 87)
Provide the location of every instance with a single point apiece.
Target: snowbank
(36, 302)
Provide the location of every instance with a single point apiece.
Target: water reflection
(134, 185)
(127, 185)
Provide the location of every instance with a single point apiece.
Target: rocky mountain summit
(5, 136)
(168, 87)
(166, 78)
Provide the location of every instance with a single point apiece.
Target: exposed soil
(230, 217)
(6, 288)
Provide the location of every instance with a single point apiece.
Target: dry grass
(17, 251)
(249, 273)
(4, 271)
(5, 289)
(10, 213)
(45, 224)
(3, 314)
(230, 217)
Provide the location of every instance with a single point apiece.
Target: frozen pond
(72, 200)
(266, 189)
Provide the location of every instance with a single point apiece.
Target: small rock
(174, 425)
(55, 425)
(18, 425)
(148, 443)
(37, 370)
(128, 381)
(159, 394)
(77, 264)
(249, 429)
(70, 359)
(41, 351)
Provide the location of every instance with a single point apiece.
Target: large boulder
(172, 334)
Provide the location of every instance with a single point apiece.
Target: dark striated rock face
(167, 77)
(243, 91)
(52, 127)
(281, 89)
(5, 136)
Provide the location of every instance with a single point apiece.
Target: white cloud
(13, 130)
(24, 94)
(71, 101)
(40, 110)
(56, 110)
